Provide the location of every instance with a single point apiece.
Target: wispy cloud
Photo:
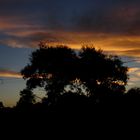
(9, 74)
(134, 69)
(134, 78)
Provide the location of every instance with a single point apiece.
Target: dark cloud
(120, 19)
(52, 20)
(81, 15)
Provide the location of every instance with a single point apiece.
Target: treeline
(83, 81)
(75, 103)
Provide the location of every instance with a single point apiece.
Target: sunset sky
(111, 25)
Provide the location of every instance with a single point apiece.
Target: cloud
(80, 15)
(134, 76)
(134, 69)
(118, 18)
(112, 26)
(116, 44)
(9, 74)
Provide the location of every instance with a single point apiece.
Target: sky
(111, 25)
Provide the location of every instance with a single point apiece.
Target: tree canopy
(59, 69)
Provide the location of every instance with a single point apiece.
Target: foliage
(1, 105)
(27, 99)
(134, 92)
(89, 72)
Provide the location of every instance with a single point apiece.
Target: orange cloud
(134, 78)
(22, 34)
(10, 74)
(117, 44)
(134, 69)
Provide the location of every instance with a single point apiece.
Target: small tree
(27, 99)
(1, 105)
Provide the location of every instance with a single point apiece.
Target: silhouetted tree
(1, 105)
(60, 70)
(133, 97)
(27, 99)
(135, 91)
(102, 73)
(51, 68)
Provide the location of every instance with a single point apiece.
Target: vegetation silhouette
(76, 82)
(71, 80)
(133, 97)
(85, 87)
(26, 100)
(1, 105)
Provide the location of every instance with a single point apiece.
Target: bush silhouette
(133, 97)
